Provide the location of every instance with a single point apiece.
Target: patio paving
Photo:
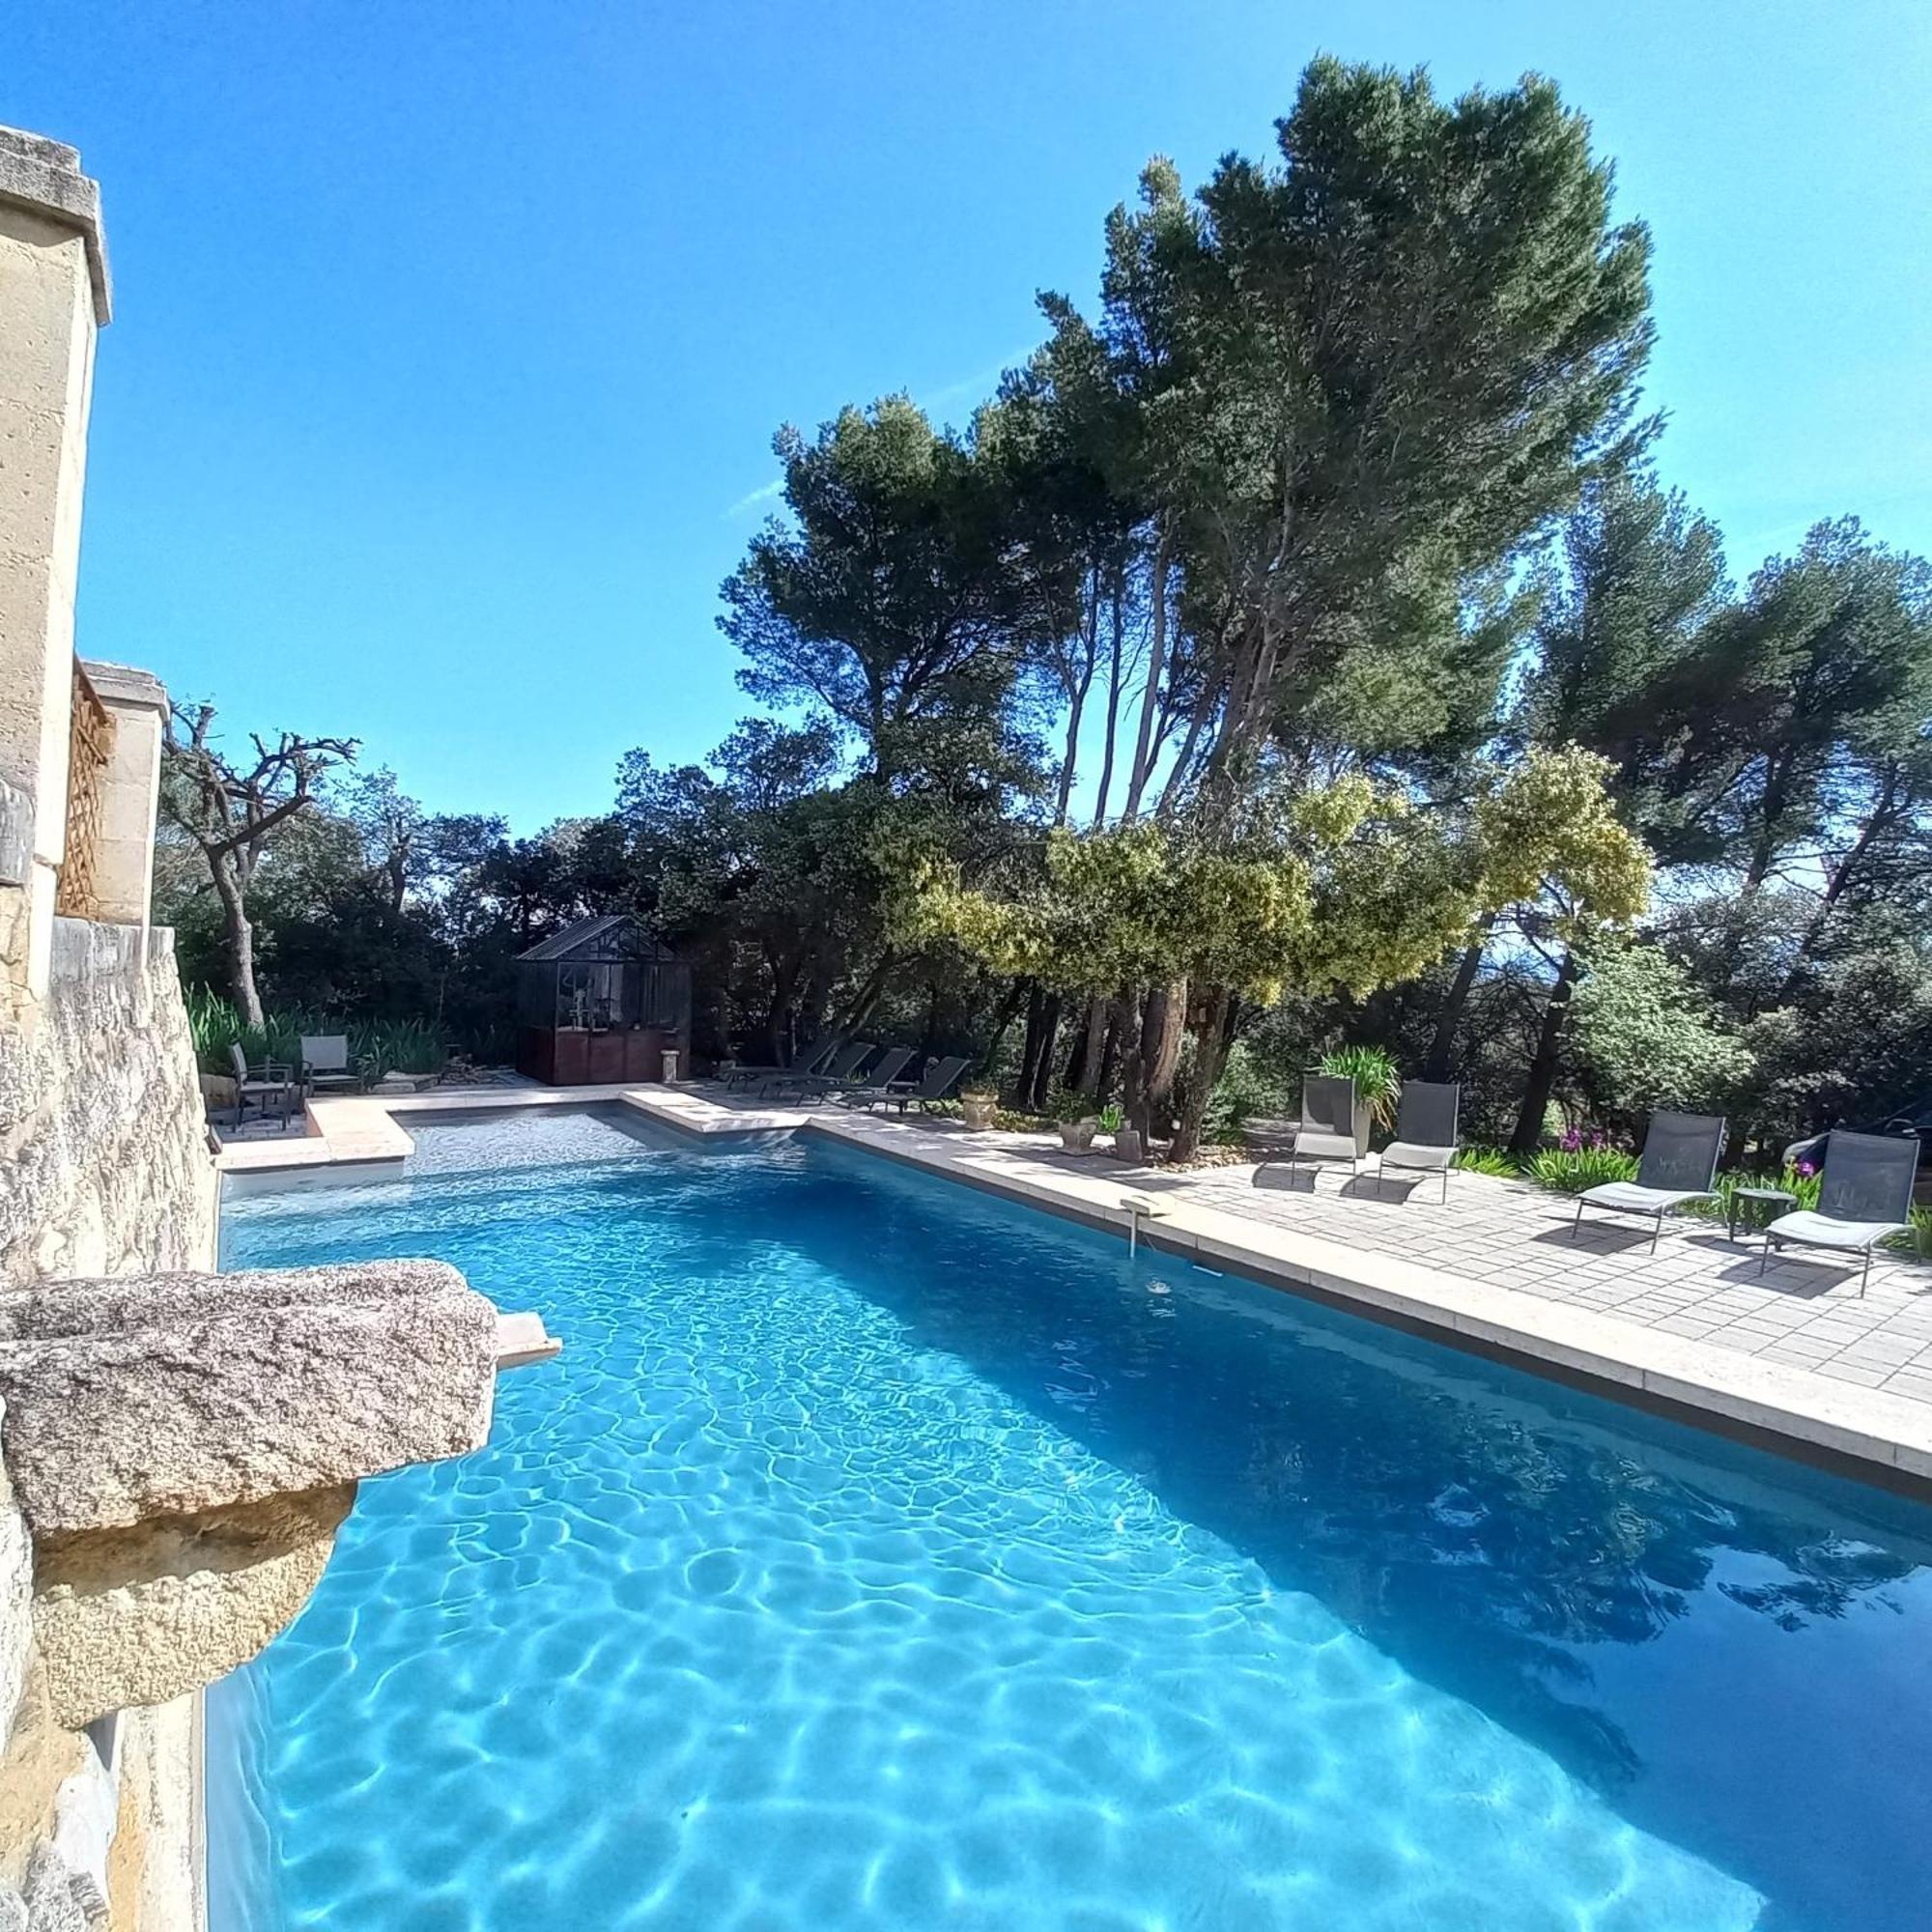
(1699, 1283)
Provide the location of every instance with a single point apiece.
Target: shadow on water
(1505, 1538)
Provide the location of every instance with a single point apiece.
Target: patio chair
(934, 1085)
(271, 1077)
(837, 1071)
(324, 1063)
(737, 1075)
(1865, 1194)
(877, 1084)
(1328, 1128)
(1425, 1130)
(1679, 1164)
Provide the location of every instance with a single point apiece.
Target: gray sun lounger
(934, 1085)
(1679, 1164)
(811, 1062)
(837, 1071)
(1864, 1195)
(877, 1084)
(1425, 1130)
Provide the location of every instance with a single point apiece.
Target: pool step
(521, 1339)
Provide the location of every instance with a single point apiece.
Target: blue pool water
(880, 1556)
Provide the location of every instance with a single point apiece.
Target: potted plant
(1126, 1139)
(1378, 1087)
(977, 1105)
(1076, 1116)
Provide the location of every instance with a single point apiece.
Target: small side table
(1764, 1194)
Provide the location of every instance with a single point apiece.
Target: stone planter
(1128, 1143)
(1077, 1136)
(977, 1110)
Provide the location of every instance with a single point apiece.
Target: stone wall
(104, 1166)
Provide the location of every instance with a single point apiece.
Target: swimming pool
(878, 1554)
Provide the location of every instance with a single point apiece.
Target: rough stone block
(174, 1394)
(128, 1617)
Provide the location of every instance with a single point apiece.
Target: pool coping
(1872, 1434)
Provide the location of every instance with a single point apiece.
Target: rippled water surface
(878, 1556)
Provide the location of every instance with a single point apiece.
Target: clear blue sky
(450, 338)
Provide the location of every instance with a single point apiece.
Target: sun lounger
(934, 1085)
(877, 1084)
(1864, 1195)
(1679, 1164)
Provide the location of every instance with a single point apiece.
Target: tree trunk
(1542, 1079)
(1113, 711)
(1840, 877)
(1110, 1046)
(860, 1009)
(1037, 1055)
(1163, 1012)
(1210, 1059)
(1040, 1090)
(1143, 767)
(1083, 1070)
(1441, 1049)
(240, 939)
(1009, 1005)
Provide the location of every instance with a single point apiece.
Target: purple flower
(1572, 1141)
(1807, 1169)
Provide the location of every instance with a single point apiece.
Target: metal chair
(1425, 1129)
(1679, 1164)
(1864, 1196)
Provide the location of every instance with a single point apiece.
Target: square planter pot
(1128, 1143)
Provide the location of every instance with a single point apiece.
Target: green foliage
(1377, 1076)
(1494, 1161)
(1802, 1187)
(1247, 1089)
(1649, 1035)
(1356, 888)
(1069, 1103)
(1111, 1118)
(375, 1046)
(1571, 1169)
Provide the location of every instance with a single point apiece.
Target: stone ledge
(124, 685)
(45, 177)
(174, 1394)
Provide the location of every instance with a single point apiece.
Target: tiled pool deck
(1796, 1350)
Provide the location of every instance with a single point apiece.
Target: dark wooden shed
(601, 1001)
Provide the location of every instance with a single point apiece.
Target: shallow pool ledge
(1883, 1436)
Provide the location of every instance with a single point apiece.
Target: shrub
(375, 1048)
(1246, 1090)
(1487, 1160)
(1571, 1169)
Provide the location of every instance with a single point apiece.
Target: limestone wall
(104, 1167)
